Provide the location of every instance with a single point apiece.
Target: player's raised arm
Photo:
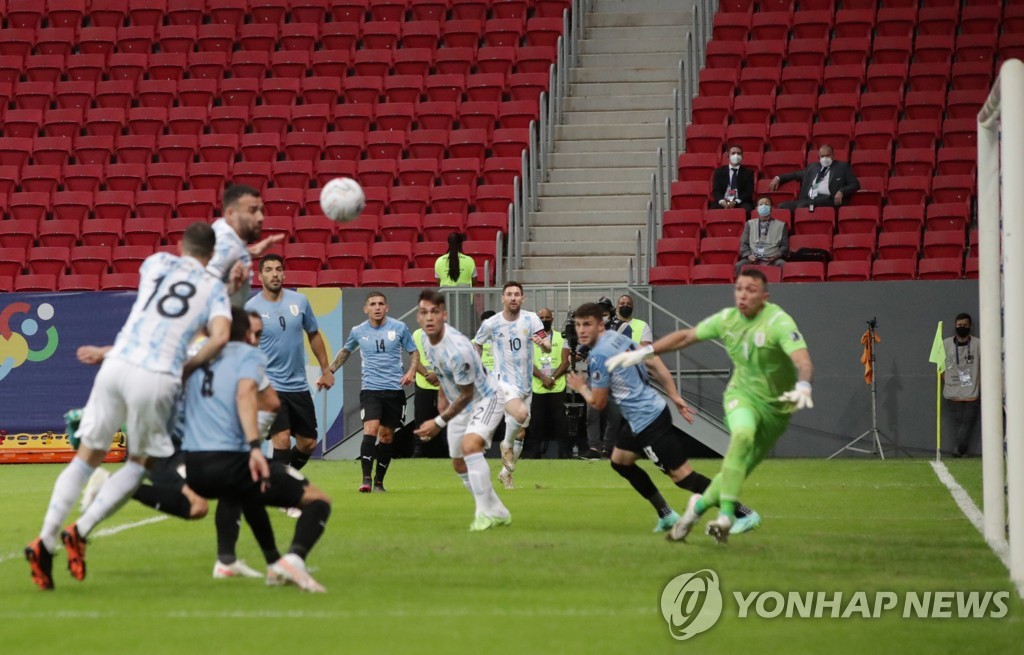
(661, 373)
(220, 331)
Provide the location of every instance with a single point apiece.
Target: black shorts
(296, 415)
(226, 475)
(388, 407)
(168, 471)
(665, 444)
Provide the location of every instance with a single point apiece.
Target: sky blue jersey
(211, 406)
(630, 388)
(381, 351)
(284, 324)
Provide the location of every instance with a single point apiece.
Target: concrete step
(635, 203)
(573, 249)
(645, 19)
(647, 158)
(609, 41)
(624, 102)
(623, 88)
(600, 132)
(617, 174)
(636, 117)
(622, 74)
(622, 237)
(580, 270)
(631, 218)
(631, 6)
(616, 188)
(666, 33)
(598, 147)
(633, 60)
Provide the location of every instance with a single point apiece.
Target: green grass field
(578, 571)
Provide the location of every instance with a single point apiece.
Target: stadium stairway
(605, 149)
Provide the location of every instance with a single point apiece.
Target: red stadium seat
(58, 233)
(665, 275)
(849, 271)
(712, 273)
(30, 282)
(894, 269)
(338, 278)
(854, 247)
(347, 256)
(803, 272)
(425, 253)
(382, 278)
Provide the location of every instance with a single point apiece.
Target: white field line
(105, 532)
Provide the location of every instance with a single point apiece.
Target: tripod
(874, 433)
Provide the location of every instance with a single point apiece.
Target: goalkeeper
(771, 380)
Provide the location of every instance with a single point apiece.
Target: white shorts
(481, 418)
(506, 392)
(128, 395)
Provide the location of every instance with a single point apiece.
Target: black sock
(644, 486)
(694, 482)
(741, 510)
(283, 455)
(298, 458)
(366, 454)
(259, 523)
(168, 500)
(227, 520)
(383, 461)
(309, 527)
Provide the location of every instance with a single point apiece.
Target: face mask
(625, 311)
(547, 325)
(764, 211)
(962, 331)
(826, 162)
(735, 159)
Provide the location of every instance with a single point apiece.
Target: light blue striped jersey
(512, 349)
(230, 249)
(457, 363)
(211, 405)
(630, 388)
(381, 351)
(176, 299)
(285, 322)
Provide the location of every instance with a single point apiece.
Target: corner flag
(938, 357)
(938, 354)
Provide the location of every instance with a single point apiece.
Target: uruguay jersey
(177, 298)
(381, 351)
(211, 406)
(512, 349)
(285, 323)
(630, 388)
(457, 363)
(230, 249)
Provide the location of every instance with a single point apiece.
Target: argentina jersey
(630, 389)
(285, 324)
(457, 363)
(211, 406)
(177, 298)
(230, 249)
(381, 351)
(512, 348)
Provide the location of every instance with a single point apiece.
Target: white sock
(118, 489)
(465, 481)
(513, 433)
(517, 449)
(66, 489)
(480, 482)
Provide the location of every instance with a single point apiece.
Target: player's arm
(596, 398)
(800, 395)
(257, 249)
(92, 354)
(662, 375)
(316, 343)
(246, 398)
(340, 359)
(414, 357)
(802, 361)
(564, 366)
(220, 331)
(676, 341)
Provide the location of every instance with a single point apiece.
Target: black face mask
(547, 325)
(963, 331)
(626, 311)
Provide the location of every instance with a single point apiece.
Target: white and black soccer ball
(342, 199)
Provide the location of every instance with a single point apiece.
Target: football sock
(65, 491)
(366, 454)
(298, 458)
(116, 492)
(283, 455)
(227, 520)
(694, 482)
(638, 478)
(309, 527)
(517, 449)
(168, 500)
(465, 481)
(259, 523)
(383, 461)
(480, 482)
(734, 469)
(513, 434)
(711, 496)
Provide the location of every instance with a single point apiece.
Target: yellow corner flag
(938, 357)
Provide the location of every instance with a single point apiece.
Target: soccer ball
(342, 199)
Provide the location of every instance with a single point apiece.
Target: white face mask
(826, 162)
(764, 211)
(735, 159)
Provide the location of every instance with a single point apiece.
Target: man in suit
(825, 184)
(733, 185)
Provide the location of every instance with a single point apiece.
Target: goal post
(1001, 308)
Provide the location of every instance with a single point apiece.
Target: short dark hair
(962, 315)
(271, 257)
(239, 324)
(375, 294)
(512, 283)
(486, 315)
(590, 310)
(235, 192)
(433, 297)
(735, 145)
(199, 240)
(756, 274)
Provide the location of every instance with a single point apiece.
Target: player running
(472, 410)
(511, 333)
(380, 340)
(771, 380)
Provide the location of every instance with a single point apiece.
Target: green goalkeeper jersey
(760, 350)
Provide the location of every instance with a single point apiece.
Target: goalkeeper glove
(800, 396)
(629, 358)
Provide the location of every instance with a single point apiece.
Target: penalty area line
(105, 532)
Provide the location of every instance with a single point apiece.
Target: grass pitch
(577, 572)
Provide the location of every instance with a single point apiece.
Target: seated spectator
(733, 185)
(824, 184)
(454, 268)
(765, 241)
